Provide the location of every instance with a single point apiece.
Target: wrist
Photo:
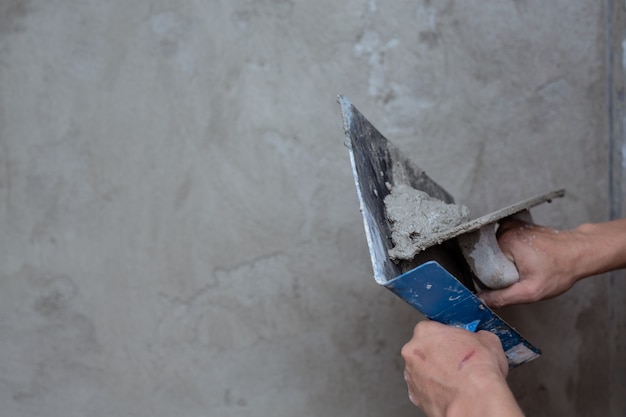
(486, 395)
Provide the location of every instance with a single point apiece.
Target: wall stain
(260, 10)
(520, 5)
(230, 400)
(60, 182)
(183, 192)
(213, 322)
(12, 14)
(429, 38)
(58, 341)
(58, 293)
(6, 164)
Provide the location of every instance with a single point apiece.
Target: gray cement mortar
(414, 216)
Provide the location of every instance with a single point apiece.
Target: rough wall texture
(180, 230)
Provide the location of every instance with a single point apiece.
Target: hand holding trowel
(422, 246)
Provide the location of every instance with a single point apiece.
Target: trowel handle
(523, 216)
(483, 254)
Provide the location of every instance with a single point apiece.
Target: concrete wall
(180, 229)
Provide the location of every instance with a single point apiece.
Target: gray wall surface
(180, 232)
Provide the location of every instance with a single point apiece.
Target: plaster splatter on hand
(414, 215)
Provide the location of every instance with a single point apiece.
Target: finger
(493, 299)
(488, 338)
(518, 293)
(494, 344)
(491, 341)
(428, 327)
(507, 251)
(413, 398)
(497, 298)
(411, 390)
(507, 239)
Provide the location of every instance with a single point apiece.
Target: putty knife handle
(483, 254)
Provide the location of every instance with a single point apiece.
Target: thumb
(493, 298)
(520, 292)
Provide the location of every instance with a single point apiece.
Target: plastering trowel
(440, 274)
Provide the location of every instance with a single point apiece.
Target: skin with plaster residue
(414, 215)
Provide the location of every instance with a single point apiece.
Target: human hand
(548, 262)
(451, 371)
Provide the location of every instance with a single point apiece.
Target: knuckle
(405, 351)
(497, 302)
(488, 336)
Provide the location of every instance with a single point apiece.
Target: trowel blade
(377, 165)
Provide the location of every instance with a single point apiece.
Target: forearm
(491, 398)
(602, 248)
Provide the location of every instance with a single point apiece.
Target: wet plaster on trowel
(414, 215)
